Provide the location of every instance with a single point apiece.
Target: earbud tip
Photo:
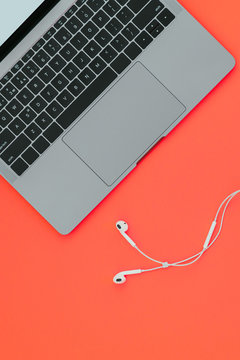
(119, 279)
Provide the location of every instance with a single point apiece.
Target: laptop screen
(17, 18)
(13, 14)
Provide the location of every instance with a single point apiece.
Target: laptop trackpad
(124, 123)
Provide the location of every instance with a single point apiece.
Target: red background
(57, 297)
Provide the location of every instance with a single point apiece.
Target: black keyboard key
(60, 82)
(137, 5)
(19, 167)
(100, 19)
(166, 17)
(52, 47)
(52, 132)
(15, 149)
(84, 14)
(14, 107)
(157, 31)
(95, 5)
(41, 144)
(112, 7)
(125, 15)
(27, 115)
(120, 63)
(73, 25)
(76, 87)
(81, 60)
(49, 93)
(63, 36)
(70, 71)
(17, 126)
(108, 54)
(36, 85)
(148, 13)
(43, 120)
(41, 58)
(46, 74)
(119, 43)
(60, 22)
(49, 33)
(65, 98)
(130, 31)
(6, 137)
(87, 76)
(38, 104)
(2, 99)
(28, 56)
(97, 65)
(68, 52)
(6, 78)
(122, 2)
(133, 50)
(25, 96)
(80, 2)
(5, 118)
(71, 11)
(114, 26)
(152, 26)
(79, 41)
(54, 109)
(9, 91)
(3, 102)
(92, 49)
(92, 92)
(38, 45)
(17, 67)
(89, 30)
(20, 80)
(144, 39)
(103, 38)
(57, 63)
(30, 69)
(32, 131)
(30, 155)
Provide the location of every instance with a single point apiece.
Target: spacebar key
(86, 98)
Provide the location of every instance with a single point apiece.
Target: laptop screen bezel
(26, 27)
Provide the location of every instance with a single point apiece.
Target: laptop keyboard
(68, 68)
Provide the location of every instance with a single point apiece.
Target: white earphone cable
(197, 256)
(179, 263)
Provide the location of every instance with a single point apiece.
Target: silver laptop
(88, 88)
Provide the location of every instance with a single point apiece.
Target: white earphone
(122, 227)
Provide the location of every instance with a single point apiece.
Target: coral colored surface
(57, 299)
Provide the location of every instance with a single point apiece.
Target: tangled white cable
(122, 227)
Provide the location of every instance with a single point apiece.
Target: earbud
(122, 227)
(120, 278)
